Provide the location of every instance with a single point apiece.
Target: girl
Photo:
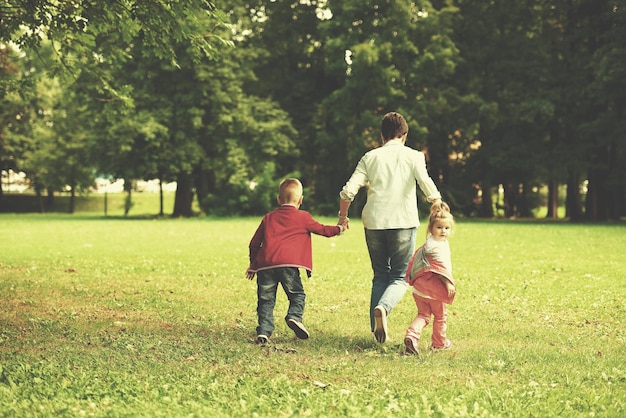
(430, 276)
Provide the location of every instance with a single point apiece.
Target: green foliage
(80, 25)
(394, 56)
(108, 318)
(219, 94)
(535, 72)
(247, 197)
(16, 111)
(246, 139)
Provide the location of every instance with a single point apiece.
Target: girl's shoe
(410, 345)
(446, 346)
(262, 339)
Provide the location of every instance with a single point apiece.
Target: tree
(585, 142)
(14, 127)
(78, 26)
(46, 138)
(93, 41)
(606, 195)
(196, 123)
(384, 56)
(505, 62)
(510, 96)
(245, 139)
(154, 135)
(290, 68)
(565, 33)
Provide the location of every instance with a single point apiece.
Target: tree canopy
(507, 100)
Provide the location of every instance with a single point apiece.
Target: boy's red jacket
(283, 239)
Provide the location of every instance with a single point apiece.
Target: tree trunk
(616, 189)
(485, 209)
(510, 200)
(128, 202)
(161, 213)
(202, 181)
(40, 201)
(184, 196)
(523, 202)
(553, 199)
(50, 199)
(597, 202)
(591, 199)
(72, 197)
(573, 204)
(619, 203)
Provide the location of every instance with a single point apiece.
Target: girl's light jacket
(429, 262)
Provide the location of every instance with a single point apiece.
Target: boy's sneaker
(380, 319)
(262, 339)
(446, 346)
(298, 328)
(411, 346)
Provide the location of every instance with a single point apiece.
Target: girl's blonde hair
(439, 212)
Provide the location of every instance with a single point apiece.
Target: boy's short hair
(393, 125)
(289, 190)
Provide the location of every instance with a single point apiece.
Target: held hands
(344, 221)
(438, 205)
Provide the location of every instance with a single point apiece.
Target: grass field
(119, 317)
(143, 204)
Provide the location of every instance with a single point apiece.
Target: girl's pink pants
(426, 308)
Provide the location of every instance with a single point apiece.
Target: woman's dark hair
(393, 125)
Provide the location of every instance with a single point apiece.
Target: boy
(281, 246)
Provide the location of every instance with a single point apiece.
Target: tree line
(226, 98)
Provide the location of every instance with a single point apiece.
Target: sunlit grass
(109, 204)
(115, 317)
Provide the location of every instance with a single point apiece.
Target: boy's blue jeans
(267, 285)
(390, 251)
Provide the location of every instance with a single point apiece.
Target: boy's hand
(451, 288)
(249, 274)
(344, 222)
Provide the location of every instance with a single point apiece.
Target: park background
(518, 106)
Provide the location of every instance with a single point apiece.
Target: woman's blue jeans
(390, 251)
(267, 285)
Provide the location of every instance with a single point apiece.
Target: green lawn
(143, 204)
(119, 317)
